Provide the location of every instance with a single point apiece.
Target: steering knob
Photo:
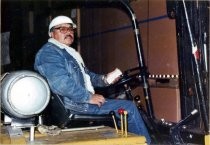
(121, 111)
(112, 113)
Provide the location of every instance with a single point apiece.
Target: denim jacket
(65, 77)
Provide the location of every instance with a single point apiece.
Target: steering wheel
(130, 77)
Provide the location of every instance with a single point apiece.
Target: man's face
(64, 33)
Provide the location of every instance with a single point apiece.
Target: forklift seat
(57, 114)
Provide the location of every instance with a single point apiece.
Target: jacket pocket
(72, 67)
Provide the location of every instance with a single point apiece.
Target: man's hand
(113, 76)
(97, 100)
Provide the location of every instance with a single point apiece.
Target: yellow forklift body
(207, 139)
(101, 136)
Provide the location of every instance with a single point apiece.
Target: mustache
(69, 36)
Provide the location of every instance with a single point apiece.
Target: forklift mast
(192, 31)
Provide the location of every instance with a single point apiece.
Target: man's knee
(130, 106)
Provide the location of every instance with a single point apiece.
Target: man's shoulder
(49, 47)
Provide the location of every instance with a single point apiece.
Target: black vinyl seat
(57, 114)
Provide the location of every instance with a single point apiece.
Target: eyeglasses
(65, 29)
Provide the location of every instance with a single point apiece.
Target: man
(67, 76)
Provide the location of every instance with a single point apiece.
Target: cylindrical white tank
(24, 94)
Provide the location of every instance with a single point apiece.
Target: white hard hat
(60, 20)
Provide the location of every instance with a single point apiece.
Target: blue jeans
(135, 122)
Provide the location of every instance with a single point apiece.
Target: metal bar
(82, 128)
(141, 61)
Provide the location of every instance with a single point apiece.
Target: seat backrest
(56, 113)
(59, 114)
